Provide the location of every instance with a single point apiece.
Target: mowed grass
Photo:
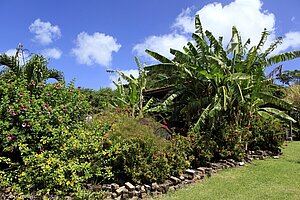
(263, 179)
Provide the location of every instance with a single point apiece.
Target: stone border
(130, 191)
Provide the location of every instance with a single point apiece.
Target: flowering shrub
(267, 134)
(36, 122)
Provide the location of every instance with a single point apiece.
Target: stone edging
(130, 191)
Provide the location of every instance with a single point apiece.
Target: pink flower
(33, 83)
(65, 107)
(24, 108)
(45, 106)
(10, 136)
(42, 148)
(14, 113)
(70, 91)
(48, 93)
(57, 86)
(20, 94)
(24, 124)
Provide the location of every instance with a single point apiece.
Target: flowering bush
(36, 122)
(267, 134)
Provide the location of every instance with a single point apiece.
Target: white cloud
(11, 52)
(44, 32)
(52, 53)
(114, 77)
(185, 21)
(247, 16)
(291, 40)
(293, 18)
(160, 44)
(95, 49)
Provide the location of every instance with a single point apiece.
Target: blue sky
(85, 38)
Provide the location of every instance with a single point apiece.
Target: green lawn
(263, 179)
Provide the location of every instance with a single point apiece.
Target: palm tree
(34, 69)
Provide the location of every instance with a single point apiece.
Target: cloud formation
(248, 16)
(95, 49)
(160, 44)
(45, 33)
(54, 53)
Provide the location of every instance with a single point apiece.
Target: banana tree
(215, 83)
(130, 95)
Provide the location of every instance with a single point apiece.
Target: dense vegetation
(56, 139)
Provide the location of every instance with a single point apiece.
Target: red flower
(10, 136)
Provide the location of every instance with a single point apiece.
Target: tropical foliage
(130, 95)
(33, 69)
(217, 87)
(219, 95)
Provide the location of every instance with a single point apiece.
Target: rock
(190, 171)
(143, 189)
(114, 195)
(172, 188)
(182, 177)
(125, 195)
(131, 193)
(201, 170)
(209, 171)
(106, 187)
(276, 157)
(129, 186)
(114, 186)
(138, 187)
(168, 183)
(241, 163)
(120, 190)
(154, 186)
(154, 193)
(147, 187)
(161, 188)
(175, 179)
